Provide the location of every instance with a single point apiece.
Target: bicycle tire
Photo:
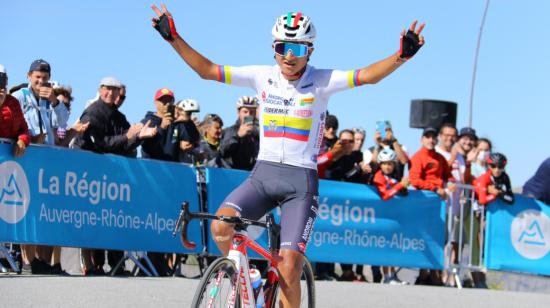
(307, 280)
(224, 270)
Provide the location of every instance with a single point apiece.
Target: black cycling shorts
(294, 189)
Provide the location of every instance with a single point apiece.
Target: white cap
(110, 82)
(2, 69)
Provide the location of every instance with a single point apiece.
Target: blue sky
(85, 41)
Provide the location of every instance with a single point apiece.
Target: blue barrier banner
(62, 197)
(517, 237)
(355, 226)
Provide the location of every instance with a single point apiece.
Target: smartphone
(47, 85)
(248, 119)
(171, 109)
(381, 128)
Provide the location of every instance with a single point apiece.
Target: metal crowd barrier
(464, 224)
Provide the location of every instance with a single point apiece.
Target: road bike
(227, 282)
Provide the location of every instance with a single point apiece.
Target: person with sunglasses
(495, 183)
(293, 100)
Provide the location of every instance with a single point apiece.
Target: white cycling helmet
(189, 105)
(248, 102)
(294, 27)
(386, 155)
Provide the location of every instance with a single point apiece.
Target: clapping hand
(147, 131)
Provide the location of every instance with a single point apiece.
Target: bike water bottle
(256, 281)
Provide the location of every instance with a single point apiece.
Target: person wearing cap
(241, 142)
(430, 171)
(172, 136)
(109, 131)
(12, 122)
(40, 105)
(191, 136)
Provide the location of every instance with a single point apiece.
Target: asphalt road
(36, 291)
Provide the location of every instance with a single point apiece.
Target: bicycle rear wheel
(219, 286)
(307, 286)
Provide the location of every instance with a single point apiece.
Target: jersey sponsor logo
(263, 96)
(307, 101)
(287, 127)
(272, 83)
(272, 110)
(286, 244)
(307, 85)
(279, 100)
(305, 113)
(302, 247)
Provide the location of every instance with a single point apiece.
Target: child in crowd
(388, 185)
(494, 183)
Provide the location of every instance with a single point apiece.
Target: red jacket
(387, 186)
(429, 170)
(481, 184)
(12, 122)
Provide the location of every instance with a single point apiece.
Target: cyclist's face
(291, 65)
(387, 167)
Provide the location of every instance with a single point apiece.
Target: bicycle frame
(238, 254)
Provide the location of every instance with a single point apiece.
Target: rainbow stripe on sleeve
(287, 127)
(224, 74)
(353, 78)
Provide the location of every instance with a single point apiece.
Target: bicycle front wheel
(219, 286)
(307, 287)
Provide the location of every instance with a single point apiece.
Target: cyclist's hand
(164, 23)
(411, 41)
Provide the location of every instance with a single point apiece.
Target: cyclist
(293, 100)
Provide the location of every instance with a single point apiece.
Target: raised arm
(164, 24)
(411, 41)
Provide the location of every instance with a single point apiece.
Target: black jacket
(166, 143)
(240, 152)
(107, 131)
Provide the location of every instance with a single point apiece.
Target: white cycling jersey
(292, 115)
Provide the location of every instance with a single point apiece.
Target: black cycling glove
(166, 27)
(409, 45)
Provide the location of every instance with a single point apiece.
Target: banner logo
(14, 192)
(530, 234)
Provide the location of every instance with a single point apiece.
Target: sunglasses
(298, 50)
(492, 166)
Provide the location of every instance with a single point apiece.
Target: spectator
(390, 141)
(40, 105)
(41, 110)
(479, 167)
(389, 184)
(447, 139)
(461, 172)
(495, 183)
(482, 151)
(170, 138)
(538, 186)
(430, 171)
(12, 122)
(121, 96)
(64, 134)
(185, 121)
(241, 142)
(330, 132)
(109, 132)
(210, 144)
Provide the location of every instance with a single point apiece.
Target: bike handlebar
(240, 223)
